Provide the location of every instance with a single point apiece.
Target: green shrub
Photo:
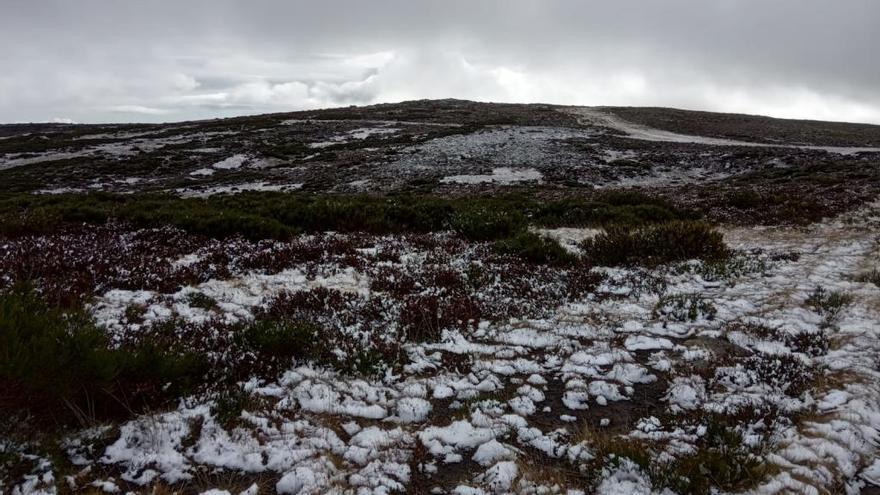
(59, 365)
(201, 300)
(366, 362)
(229, 404)
(265, 215)
(744, 200)
(534, 248)
(279, 341)
(684, 307)
(17, 224)
(721, 462)
(655, 244)
(828, 304)
(484, 224)
(733, 266)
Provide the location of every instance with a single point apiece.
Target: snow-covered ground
(235, 188)
(652, 358)
(501, 175)
(500, 146)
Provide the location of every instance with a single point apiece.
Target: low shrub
(534, 248)
(484, 224)
(366, 362)
(58, 366)
(684, 307)
(656, 244)
(744, 199)
(731, 267)
(721, 461)
(201, 300)
(277, 341)
(811, 343)
(229, 404)
(872, 277)
(274, 215)
(828, 304)
(424, 317)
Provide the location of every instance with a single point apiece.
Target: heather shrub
(57, 365)
(424, 317)
(272, 215)
(828, 304)
(720, 458)
(656, 244)
(229, 404)
(483, 224)
(534, 248)
(744, 199)
(684, 307)
(277, 341)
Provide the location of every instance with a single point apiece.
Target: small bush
(655, 244)
(58, 365)
(200, 300)
(279, 341)
(731, 267)
(811, 343)
(366, 362)
(684, 307)
(744, 200)
(424, 317)
(872, 277)
(483, 224)
(627, 163)
(534, 248)
(722, 461)
(228, 406)
(828, 304)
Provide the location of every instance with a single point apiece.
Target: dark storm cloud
(110, 60)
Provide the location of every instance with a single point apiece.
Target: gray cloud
(105, 60)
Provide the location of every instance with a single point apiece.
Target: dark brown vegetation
(656, 244)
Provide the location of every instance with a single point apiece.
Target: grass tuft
(828, 304)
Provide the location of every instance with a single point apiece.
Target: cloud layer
(104, 60)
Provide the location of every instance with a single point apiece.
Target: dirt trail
(593, 117)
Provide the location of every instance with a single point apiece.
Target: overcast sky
(165, 60)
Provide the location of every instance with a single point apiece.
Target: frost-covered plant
(812, 343)
(229, 404)
(872, 277)
(828, 304)
(684, 307)
(201, 300)
(719, 459)
(730, 267)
